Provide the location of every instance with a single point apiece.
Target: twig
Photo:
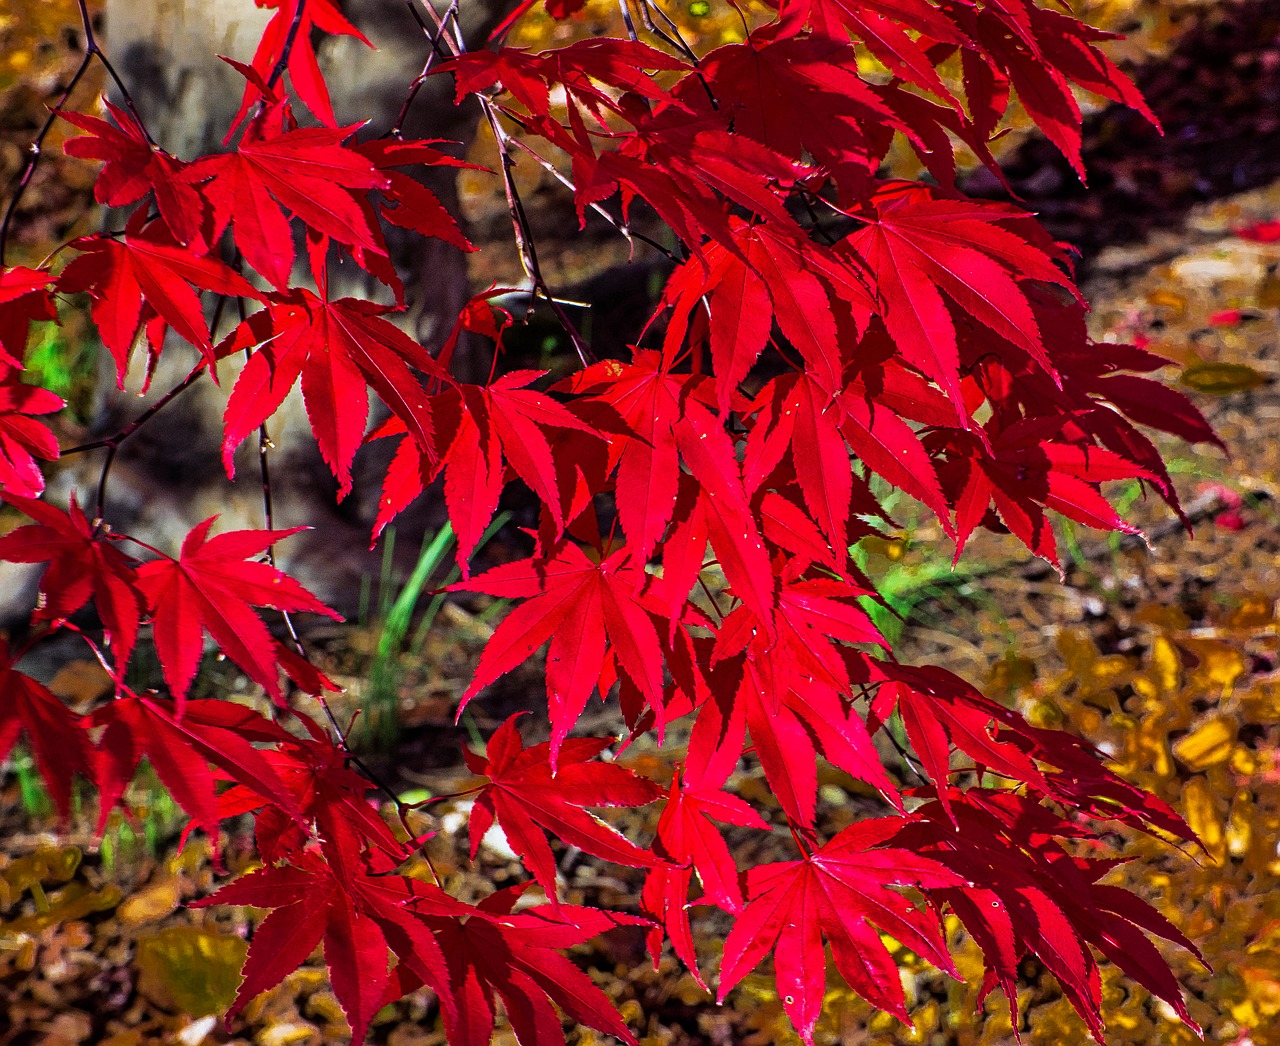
(36, 148)
(113, 443)
(282, 63)
(678, 43)
(524, 237)
(623, 228)
(515, 205)
(435, 38)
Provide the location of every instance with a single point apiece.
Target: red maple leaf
(133, 167)
(283, 40)
(180, 751)
(760, 85)
(211, 587)
(22, 438)
(874, 20)
(515, 956)
(145, 273)
(790, 694)
(412, 204)
(687, 838)
(668, 417)
(940, 714)
(842, 892)
(1032, 468)
(360, 918)
(1042, 53)
(56, 734)
(478, 428)
(329, 795)
(414, 465)
(796, 411)
(920, 249)
(882, 26)
(306, 170)
(24, 298)
(525, 796)
(768, 276)
(82, 564)
(339, 349)
(1024, 895)
(590, 610)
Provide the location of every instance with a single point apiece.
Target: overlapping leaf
(23, 439)
(1024, 895)
(687, 838)
(145, 274)
(589, 609)
(24, 299)
(211, 587)
(339, 349)
(515, 956)
(925, 252)
(307, 171)
(288, 39)
(181, 749)
(480, 430)
(537, 788)
(133, 167)
(56, 735)
(842, 892)
(359, 919)
(82, 564)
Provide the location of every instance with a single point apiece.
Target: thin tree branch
(524, 239)
(436, 53)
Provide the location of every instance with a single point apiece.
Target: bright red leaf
(589, 609)
(24, 298)
(841, 892)
(181, 750)
(83, 564)
(525, 797)
(515, 956)
(211, 587)
(22, 438)
(142, 274)
(360, 920)
(285, 41)
(56, 735)
(307, 171)
(339, 349)
(134, 167)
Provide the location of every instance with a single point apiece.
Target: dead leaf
(149, 904)
(189, 970)
(1221, 379)
(81, 682)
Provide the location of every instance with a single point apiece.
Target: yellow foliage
(30, 872)
(189, 970)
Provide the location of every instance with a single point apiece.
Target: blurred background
(1167, 657)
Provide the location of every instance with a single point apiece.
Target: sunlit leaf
(1207, 745)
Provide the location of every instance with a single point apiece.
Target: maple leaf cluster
(825, 335)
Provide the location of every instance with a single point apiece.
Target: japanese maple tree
(826, 334)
